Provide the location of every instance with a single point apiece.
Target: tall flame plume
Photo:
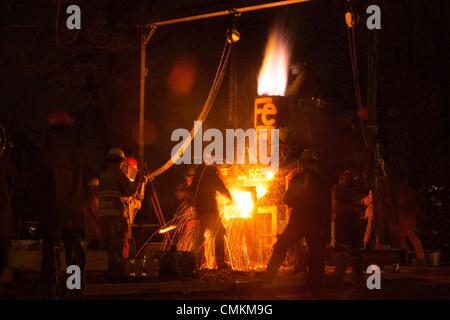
(273, 75)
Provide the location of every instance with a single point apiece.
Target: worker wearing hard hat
(132, 204)
(61, 173)
(182, 190)
(206, 184)
(308, 195)
(114, 184)
(185, 216)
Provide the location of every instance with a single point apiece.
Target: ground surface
(407, 283)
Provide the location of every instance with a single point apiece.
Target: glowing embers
(242, 206)
(251, 220)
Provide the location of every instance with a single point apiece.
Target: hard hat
(309, 155)
(94, 182)
(116, 153)
(189, 172)
(59, 118)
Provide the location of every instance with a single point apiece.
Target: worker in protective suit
(186, 219)
(346, 220)
(183, 189)
(409, 210)
(9, 178)
(205, 185)
(62, 172)
(132, 205)
(114, 184)
(308, 195)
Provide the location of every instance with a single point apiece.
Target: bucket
(434, 258)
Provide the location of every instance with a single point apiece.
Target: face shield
(131, 168)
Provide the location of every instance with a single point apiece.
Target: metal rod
(141, 97)
(227, 12)
(145, 38)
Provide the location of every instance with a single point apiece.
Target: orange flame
(165, 230)
(241, 207)
(273, 75)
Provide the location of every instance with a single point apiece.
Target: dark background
(94, 75)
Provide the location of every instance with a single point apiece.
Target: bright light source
(261, 191)
(273, 75)
(233, 35)
(270, 175)
(241, 207)
(169, 228)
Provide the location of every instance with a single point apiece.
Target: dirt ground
(417, 283)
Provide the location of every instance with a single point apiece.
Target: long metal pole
(141, 97)
(227, 12)
(144, 39)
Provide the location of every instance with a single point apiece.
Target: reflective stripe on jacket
(114, 185)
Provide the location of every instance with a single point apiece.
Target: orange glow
(250, 221)
(261, 191)
(270, 175)
(273, 75)
(169, 228)
(241, 207)
(182, 77)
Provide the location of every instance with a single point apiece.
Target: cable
(217, 82)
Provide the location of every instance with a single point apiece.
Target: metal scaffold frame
(146, 33)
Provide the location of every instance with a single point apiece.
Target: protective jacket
(114, 184)
(308, 194)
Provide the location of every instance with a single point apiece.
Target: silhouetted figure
(63, 171)
(308, 195)
(206, 184)
(408, 210)
(188, 224)
(346, 214)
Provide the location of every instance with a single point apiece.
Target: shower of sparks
(250, 220)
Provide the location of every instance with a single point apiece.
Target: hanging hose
(217, 82)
